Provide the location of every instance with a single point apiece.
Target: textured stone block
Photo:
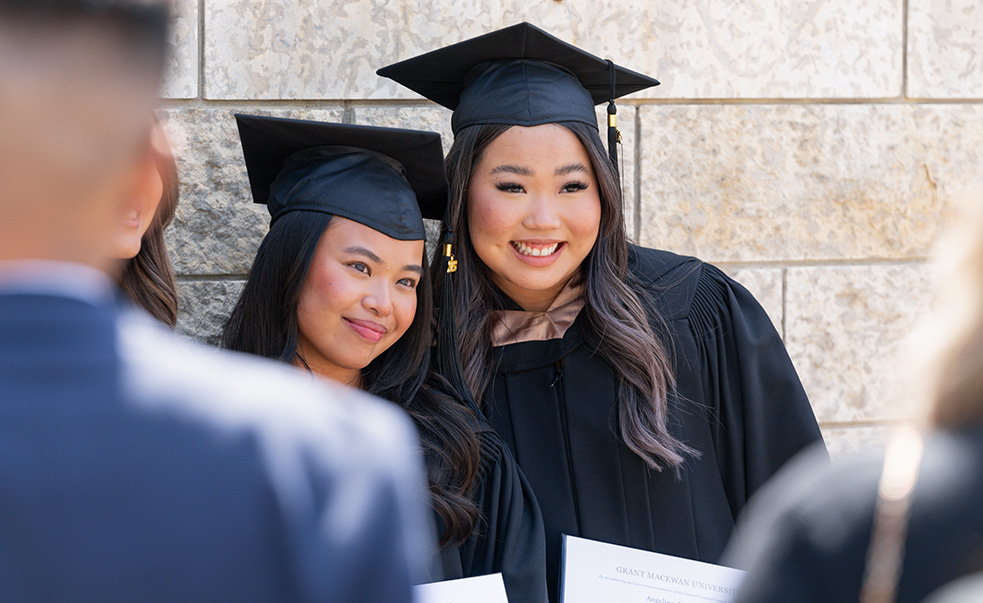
(760, 49)
(181, 74)
(729, 48)
(218, 228)
(804, 182)
(438, 119)
(944, 41)
(766, 286)
(846, 329)
(846, 442)
(324, 48)
(427, 116)
(204, 306)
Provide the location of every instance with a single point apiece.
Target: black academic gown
(805, 536)
(509, 536)
(738, 401)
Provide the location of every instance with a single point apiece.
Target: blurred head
(77, 81)
(153, 204)
(146, 275)
(956, 330)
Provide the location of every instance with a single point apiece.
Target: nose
(378, 299)
(542, 213)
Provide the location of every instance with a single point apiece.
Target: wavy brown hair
(264, 322)
(148, 278)
(620, 318)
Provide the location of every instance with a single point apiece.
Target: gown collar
(518, 326)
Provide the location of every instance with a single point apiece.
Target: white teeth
(533, 251)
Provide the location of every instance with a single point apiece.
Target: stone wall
(812, 149)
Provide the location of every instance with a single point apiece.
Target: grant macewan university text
(668, 579)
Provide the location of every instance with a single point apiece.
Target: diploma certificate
(595, 571)
(481, 589)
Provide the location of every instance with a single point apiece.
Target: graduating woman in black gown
(339, 288)
(645, 395)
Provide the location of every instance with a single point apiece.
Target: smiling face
(358, 299)
(534, 211)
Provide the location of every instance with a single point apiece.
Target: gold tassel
(451, 262)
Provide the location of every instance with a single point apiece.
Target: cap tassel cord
(448, 355)
(614, 135)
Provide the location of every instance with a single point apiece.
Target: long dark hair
(617, 324)
(148, 278)
(264, 322)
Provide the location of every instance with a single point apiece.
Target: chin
(355, 364)
(539, 284)
(126, 252)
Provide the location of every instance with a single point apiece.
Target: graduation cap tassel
(448, 356)
(614, 136)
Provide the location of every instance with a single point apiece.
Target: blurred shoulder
(229, 391)
(809, 505)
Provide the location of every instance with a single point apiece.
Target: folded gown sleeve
(763, 415)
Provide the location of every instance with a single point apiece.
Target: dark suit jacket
(135, 466)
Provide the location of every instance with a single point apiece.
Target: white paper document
(596, 571)
(481, 589)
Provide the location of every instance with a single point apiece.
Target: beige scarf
(517, 326)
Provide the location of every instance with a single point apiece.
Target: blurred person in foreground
(145, 275)
(899, 526)
(135, 466)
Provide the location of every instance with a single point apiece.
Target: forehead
(343, 234)
(547, 145)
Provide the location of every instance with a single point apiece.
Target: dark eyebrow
(512, 169)
(362, 251)
(570, 168)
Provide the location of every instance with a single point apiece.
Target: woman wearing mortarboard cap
(645, 395)
(339, 288)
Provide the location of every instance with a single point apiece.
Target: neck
(535, 301)
(344, 376)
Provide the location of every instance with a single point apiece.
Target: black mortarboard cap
(384, 178)
(519, 75)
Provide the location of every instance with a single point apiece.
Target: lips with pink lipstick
(371, 331)
(537, 253)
